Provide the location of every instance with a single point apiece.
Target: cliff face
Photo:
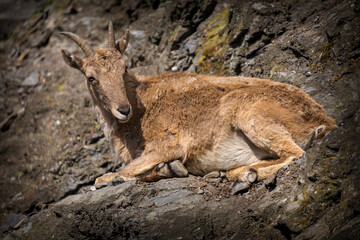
(52, 148)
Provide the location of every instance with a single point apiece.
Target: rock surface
(51, 154)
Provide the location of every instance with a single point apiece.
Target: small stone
(271, 180)
(240, 187)
(92, 188)
(258, 6)
(301, 180)
(31, 80)
(20, 90)
(200, 191)
(214, 174)
(174, 68)
(95, 138)
(191, 46)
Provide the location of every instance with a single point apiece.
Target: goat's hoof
(163, 170)
(248, 175)
(178, 168)
(117, 180)
(252, 175)
(103, 181)
(101, 185)
(240, 187)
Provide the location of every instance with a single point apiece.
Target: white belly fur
(235, 150)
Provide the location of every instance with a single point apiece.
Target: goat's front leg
(149, 166)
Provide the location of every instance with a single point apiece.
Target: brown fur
(186, 116)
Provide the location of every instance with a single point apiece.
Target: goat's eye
(91, 79)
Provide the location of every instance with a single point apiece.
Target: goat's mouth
(123, 117)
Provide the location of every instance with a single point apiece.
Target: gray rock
(240, 187)
(214, 174)
(31, 80)
(271, 180)
(10, 220)
(95, 138)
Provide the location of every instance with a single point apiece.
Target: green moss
(275, 69)
(210, 57)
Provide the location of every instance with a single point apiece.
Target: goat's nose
(124, 109)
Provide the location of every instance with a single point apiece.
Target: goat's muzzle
(123, 112)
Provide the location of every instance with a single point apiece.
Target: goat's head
(105, 72)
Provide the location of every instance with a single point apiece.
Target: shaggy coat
(248, 127)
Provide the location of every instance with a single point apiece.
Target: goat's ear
(72, 60)
(123, 42)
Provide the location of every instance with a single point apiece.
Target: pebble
(271, 180)
(190, 47)
(200, 191)
(214, 174)
(240, 187)
(301, 180)
(31, 80)
(95, 138)
(20, 90)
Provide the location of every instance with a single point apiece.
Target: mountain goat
(174, 123)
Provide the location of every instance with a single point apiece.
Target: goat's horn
(111, 34)
(85, 46)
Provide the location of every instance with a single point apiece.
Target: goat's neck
(131, 83)
(126, 134)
